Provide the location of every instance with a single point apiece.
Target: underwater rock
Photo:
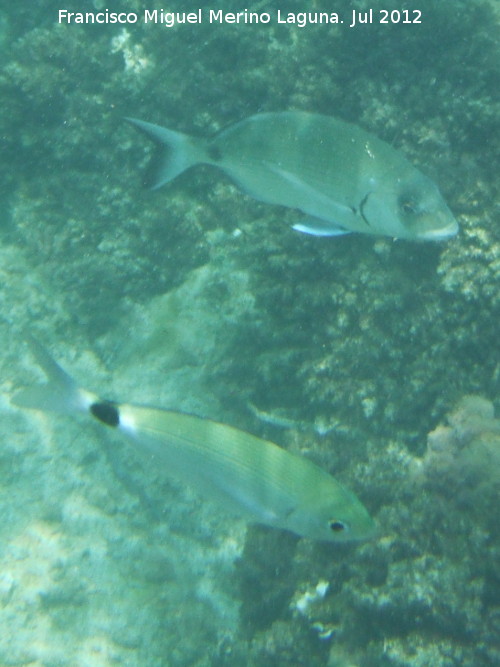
(181, 336)
(464, 454)
(334, 330)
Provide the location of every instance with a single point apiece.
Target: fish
(247, 475)
(341, 177)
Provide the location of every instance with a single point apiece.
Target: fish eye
(408, 204)
(408, 207)
(337, 526)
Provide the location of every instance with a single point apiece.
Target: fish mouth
(440, 234)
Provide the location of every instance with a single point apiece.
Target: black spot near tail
(106, 412)
(214, 153)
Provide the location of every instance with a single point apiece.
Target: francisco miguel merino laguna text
(300, 19)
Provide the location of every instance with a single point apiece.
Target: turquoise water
(358, 352)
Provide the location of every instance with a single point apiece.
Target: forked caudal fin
(175, 152)
(60, 394)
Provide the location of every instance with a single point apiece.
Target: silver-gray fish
(255, 477)
(343, 178)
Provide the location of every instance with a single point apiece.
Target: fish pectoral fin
(309, 190)
(318, 227)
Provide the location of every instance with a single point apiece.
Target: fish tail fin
(175, 152)
(59, 394)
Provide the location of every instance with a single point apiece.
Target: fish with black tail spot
(247, 475)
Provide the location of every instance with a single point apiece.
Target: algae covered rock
(466, 452)
(349, 351)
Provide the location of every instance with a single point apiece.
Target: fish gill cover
(349, 351)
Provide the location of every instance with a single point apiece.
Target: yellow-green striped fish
(262, 481)
(342, 178)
